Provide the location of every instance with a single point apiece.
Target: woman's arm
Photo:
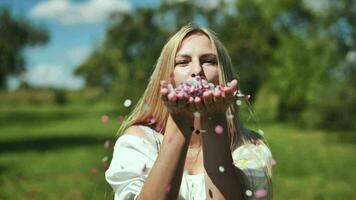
(165, 177)
(218, 161)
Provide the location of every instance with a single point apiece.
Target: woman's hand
(213, 104)
(209, 104)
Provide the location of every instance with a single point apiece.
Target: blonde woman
(175, 147)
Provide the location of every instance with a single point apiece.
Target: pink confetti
(104, 118)
(168, 188)
(260, 193)
(120, 119)
(171, 76)
(247, 97)
(158, 128)
(219, 129)
(93, 170)
(273, 162)
(107, 144)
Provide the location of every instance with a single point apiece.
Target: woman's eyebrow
(183, 55)
(209, 55)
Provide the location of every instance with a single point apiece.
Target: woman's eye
(210, 61)
(183, 62)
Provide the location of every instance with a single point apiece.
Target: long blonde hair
(151, 105)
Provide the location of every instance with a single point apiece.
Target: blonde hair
(151, 105)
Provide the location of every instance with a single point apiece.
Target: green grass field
(55, 152)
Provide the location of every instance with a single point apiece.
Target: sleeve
(256, 162)
(133, 157)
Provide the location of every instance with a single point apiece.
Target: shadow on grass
(50, 143)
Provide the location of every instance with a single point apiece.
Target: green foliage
(15, 35)
(292, 47)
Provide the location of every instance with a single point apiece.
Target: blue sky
(75, 27)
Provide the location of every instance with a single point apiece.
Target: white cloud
(78, 54)
(53, 75)
(67, 12)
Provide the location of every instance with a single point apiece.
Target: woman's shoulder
(140, 133)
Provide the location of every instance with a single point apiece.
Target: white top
(134, 157)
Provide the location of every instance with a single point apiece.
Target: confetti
(196, 114)
(146, 107)
(219, 129)
(93, 170)
(248, 193)
(168, 188)
(127, 103)
(104, 118)
(273, 162)
(171, 76)
(238, 102)
(120, 119)
(104, 159)
(221, 169)
(260, 193)
(107, 144)
(247, 97)
(260, 132)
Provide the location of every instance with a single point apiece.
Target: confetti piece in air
(104, 118)
(127, 103)
(221, 169)
(232, 130)
(248, 193)
(219, 129)
(93, 170)
(171, 75)
(104, 159)
(247, 97)
(260, 132)
(210, 193)
(168, 188)
(230, 116)
(120, 119)
(196, 114)
(260, 193)
(238, 102)
(273, 162)
(153, 120)
(158, 128)
(146, 107)
(107, 144)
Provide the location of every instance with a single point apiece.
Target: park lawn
(55, 152)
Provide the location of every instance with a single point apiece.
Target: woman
(173, 146)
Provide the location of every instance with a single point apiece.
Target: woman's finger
(198, 103)
(207, 98)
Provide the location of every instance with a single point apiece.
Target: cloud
(89, 12)
(79, 54)
(53, 75)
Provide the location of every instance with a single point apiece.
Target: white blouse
(134, 157)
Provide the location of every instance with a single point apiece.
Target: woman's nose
(196, 69)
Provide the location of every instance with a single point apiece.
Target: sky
(75, 27)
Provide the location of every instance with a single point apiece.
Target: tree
(15, 35)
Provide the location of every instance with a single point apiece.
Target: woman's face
(196, 56)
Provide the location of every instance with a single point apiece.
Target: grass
(55, 152)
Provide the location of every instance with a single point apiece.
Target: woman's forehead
(196, 42)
